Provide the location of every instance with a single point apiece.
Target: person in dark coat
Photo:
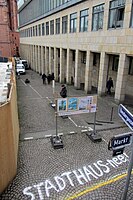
(49, 78)
(44, 78)
(52, 76)
(109, 85)
(63, 91)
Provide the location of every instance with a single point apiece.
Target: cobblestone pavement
(82, 170)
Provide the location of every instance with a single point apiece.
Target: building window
(97, 19)
(39, 29)
(64, 24)
(130, 71)
(115, 63)
(27, 32)
(64, 1)
(52, 27)
(84, 20)
(43, 33)
(83, 57)
(73, 55)
(73, 22)
(57, 3)
(47, 28)
(131, 24)
(58, 26)
(116, 13)
(33, 31)
(36, 30)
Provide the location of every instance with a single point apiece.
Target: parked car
(20, 69)
(25, 63)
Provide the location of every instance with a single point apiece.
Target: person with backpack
(63, 91)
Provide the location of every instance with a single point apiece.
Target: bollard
(112, 110)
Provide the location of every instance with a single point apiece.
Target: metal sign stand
(128, 173)
(56, 140)
(93, 136)
(127, 117)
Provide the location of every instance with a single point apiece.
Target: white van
(25, 63)
(20, 69)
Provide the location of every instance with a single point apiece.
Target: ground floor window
(115, 63)
(130, 71)
(131, 24)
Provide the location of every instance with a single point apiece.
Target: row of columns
(60, 61)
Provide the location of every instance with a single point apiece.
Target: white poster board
(76, 105)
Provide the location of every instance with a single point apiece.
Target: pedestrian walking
(49, 78)
(44, 78)
(109, 85)
(52, 76)
(63, 91)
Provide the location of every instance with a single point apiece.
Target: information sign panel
(126, 116)
(76, 105)
(120, 141)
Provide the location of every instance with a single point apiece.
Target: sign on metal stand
(78, 105)
(92, 135)
(119, 142)
(127, 117)
(56, 140)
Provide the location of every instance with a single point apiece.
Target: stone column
(78, 19)
(42, 60)
(77, 69)
(46, 60)
(68, 24)
(36, 58)
(90, 20)
(62, 65)
(122, 76)
(29, 62)
(88, 71)
(61, 25)
(104, 61)
(69, 64)
(30, 51)
(106, 16)
(56, 64)
(50, 61)
(127, 15)
(39, 60)
(33, 61)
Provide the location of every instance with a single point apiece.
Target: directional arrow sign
(126, 116)
(120, 141)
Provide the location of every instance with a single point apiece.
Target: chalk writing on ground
(80, 176)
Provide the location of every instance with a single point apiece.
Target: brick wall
(9, 37)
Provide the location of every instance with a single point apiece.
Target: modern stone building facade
(83, 42)
(9, 35)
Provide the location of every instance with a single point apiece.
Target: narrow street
(82, 169)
